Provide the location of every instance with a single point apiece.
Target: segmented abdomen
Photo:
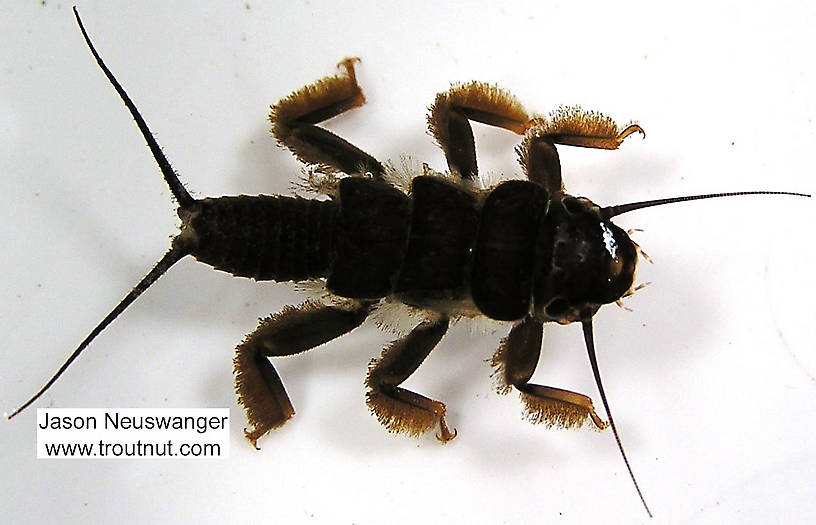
(440, 245)
(265, 237)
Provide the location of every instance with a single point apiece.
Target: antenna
(612, 211)
(590, 344)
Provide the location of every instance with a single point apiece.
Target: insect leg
(398, 409)
(515, 362)
(452, 110)
(573, 126)
(541, 164)
(290, 331)
(295, 118)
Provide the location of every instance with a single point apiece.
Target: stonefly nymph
(439, 246)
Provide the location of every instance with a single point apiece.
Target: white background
(712, 376)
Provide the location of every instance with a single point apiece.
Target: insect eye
(557, 307)
(573, 206)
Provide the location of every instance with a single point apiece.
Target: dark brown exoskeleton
(440, 246)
